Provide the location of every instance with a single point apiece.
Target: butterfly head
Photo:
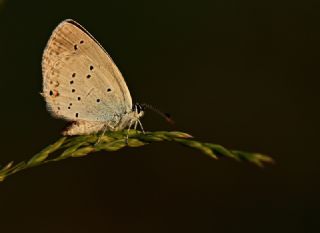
(138, 109)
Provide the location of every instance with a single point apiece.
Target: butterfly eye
(138, 108)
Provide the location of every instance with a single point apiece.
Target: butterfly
(82, 84)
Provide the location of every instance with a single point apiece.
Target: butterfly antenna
(166, 116)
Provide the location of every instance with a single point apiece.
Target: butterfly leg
(105, 127)
(135, 125)
(101, 135)
(130, 124)
(141, 126)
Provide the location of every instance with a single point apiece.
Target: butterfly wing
(80, 80)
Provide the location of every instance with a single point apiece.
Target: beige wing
(80, 80)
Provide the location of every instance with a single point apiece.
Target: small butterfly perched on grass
(82, 84)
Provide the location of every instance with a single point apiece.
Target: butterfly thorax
(129, 119)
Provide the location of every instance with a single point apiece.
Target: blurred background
(244, 74)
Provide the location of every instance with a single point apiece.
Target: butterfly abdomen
(83, 128)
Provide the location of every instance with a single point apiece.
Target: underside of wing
(80, 80)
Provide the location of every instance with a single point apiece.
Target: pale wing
(80, 80)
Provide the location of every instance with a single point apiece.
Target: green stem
(79, 146)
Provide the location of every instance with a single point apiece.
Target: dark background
(244, 74)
